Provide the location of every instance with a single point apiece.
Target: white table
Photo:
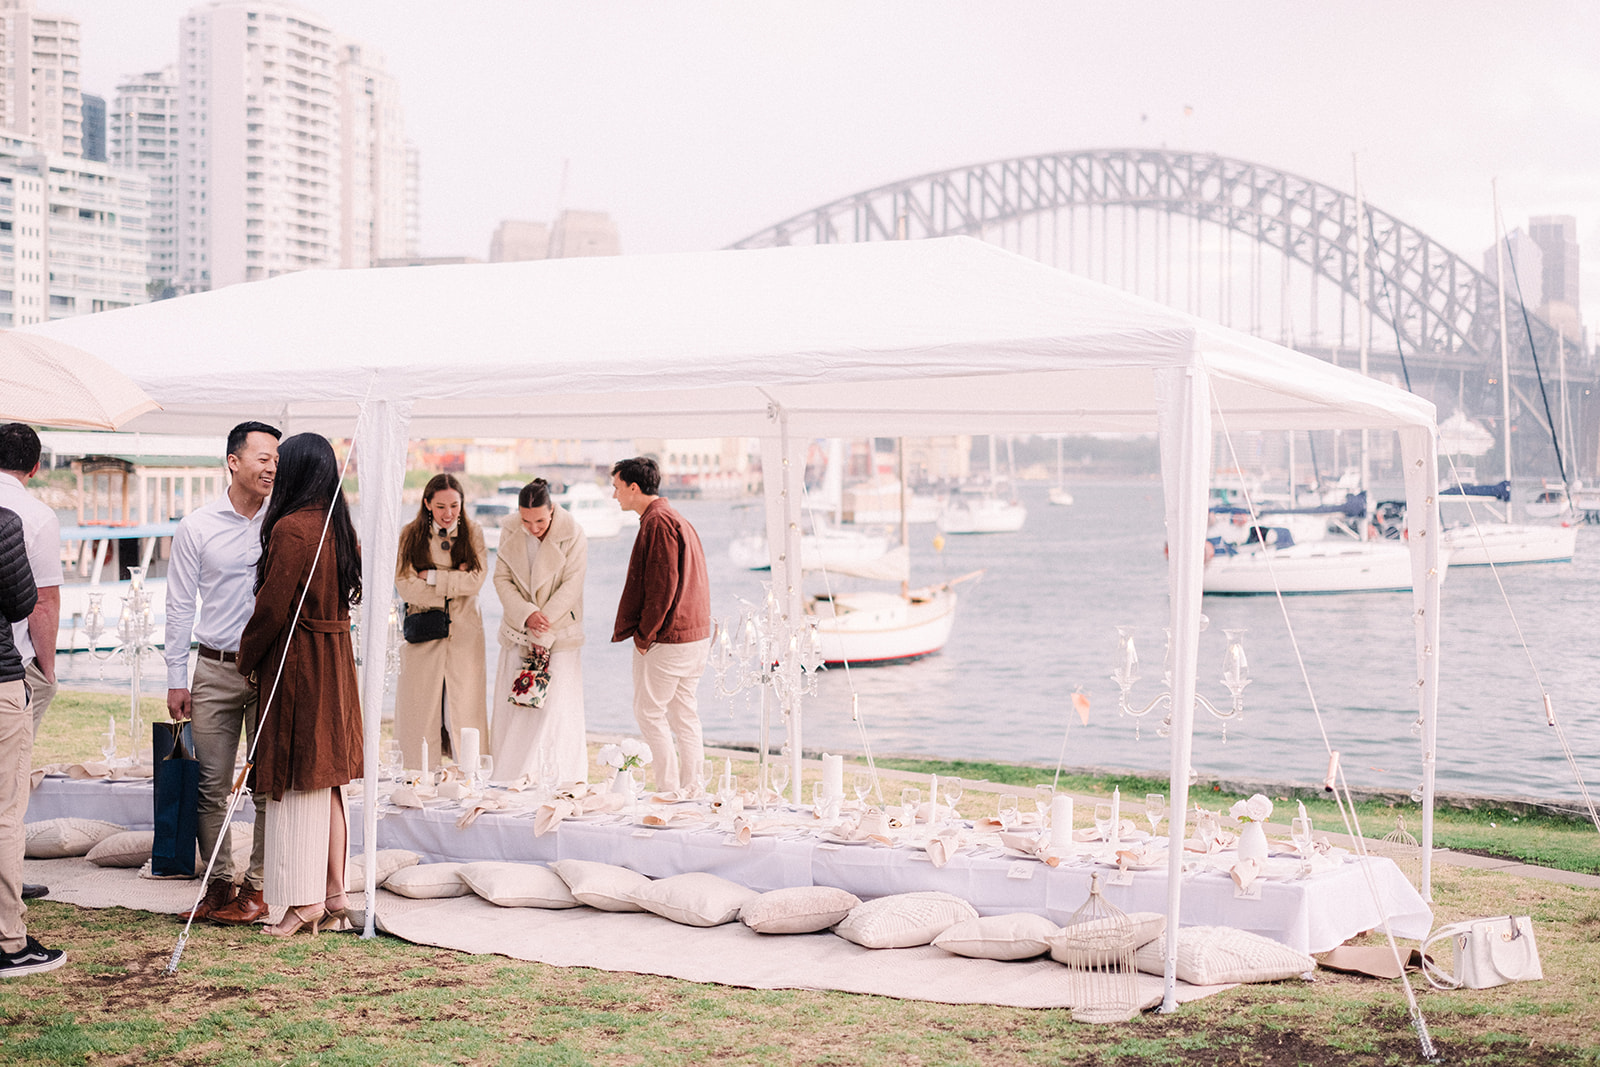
(129, 803)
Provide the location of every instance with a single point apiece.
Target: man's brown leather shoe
(218, 893)
(247, 907)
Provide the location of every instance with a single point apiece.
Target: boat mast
(905, 526)
(1505, 360)
(1363, 330)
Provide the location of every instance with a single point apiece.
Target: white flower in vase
(1258, 809)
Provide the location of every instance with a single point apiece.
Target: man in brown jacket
(666, 610)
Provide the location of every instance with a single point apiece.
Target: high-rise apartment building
(1557, 238)
(143, 137)
(40, 97)
(516, 240)
(94, 128)
(72, 235)
(1524, 268)
(373, 161)
(584, 233)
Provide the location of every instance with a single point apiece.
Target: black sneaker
(33, 892)
(34, 958)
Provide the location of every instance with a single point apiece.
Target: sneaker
(34, 958)
(33, 892)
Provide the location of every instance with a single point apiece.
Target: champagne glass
(485, 771)
(910, 801)
(1042, 796)
(780, 778)
(1155, 809)
(1102, 820)
(108, 748)
(862, 784)
(704, 772)
(1008, 810)
(1206, 825)
(952, 789)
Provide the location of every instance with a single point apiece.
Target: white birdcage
(1403, 849)
(1096, 948)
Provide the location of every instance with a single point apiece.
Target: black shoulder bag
(431, 624)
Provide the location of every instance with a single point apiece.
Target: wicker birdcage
(1096, 946)
(1403, 849)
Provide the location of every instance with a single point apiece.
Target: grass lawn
(242, 998)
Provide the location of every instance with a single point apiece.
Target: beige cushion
(127, 849)
(1019, 936)
(389, 860)
(696, 899)
(53, 839)
(1214, 955)
(517, 885)
(601, 885)
(798, 910)
(903, 920)
(1093, 944)
(428, 881)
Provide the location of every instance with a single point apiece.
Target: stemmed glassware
(862, 784)
(108, 748)
(910, 801)
(392, 761)
(1042, 796)
(1300, 834)
(1009, 810)
(780, 778)
(1102, 820)
(483, 773)
(951, 789)
(1155, 809)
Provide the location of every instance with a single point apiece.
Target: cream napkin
(550, 815)
(1037, 847)
(405, 796)
(674, 818)
(479, 806)
(1245, 872)
(940, 847)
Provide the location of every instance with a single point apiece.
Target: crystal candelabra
(135, 627)
(768, 652)
(1235, 675)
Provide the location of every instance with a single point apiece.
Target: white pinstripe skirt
(297, 848)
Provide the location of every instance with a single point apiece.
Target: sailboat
(827, 546)
(1059, 495)
(878, 627)
(984, 510)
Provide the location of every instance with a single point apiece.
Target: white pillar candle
(1116, 815)
(424, 760)
(933, 799)
(468, 756)
(833, 777)
(1061, 821)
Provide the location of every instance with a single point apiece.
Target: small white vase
(1253, 842)
(623, 782)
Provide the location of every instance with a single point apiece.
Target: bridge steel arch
(1437, 303)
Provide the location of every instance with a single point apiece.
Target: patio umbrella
(51, 383)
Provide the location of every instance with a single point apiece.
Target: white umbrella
(51, 383)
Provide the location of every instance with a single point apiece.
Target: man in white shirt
(41, 530)
(214, 556)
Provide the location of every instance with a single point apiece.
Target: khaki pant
(16, 759)
(42, 692)
(667, 711)
(222, 703)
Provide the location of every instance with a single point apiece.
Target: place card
(644, 832)
(1021, 870)
(919, 857)
(1120, 876)
(1252, 893)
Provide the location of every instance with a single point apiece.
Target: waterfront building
(72, 235)
(516, 240)
(1557, 238)
(584, 233)
(40, 97)
(143, 137)
(94, 127)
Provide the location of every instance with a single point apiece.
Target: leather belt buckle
(218, 655)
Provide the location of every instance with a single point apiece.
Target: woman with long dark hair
(441, 566)
(297, 649)
(539, 574)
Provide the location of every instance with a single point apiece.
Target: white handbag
(1487, 952)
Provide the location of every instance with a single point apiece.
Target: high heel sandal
(294, 920)
(334, 919)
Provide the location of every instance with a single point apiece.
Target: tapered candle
(1116, 814)
(933, 799)
(424, 760)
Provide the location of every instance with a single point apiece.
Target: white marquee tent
(939, 336)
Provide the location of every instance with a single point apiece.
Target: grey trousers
(222, 704)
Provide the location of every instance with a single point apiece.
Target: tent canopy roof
(936, 336)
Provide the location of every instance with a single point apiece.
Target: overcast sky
(694, 124)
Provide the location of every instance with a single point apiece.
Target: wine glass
(485, 772)
(1102, 820)
(952, 790)
(780, 778)
(1008, 810)
(108, 748)
(1207, 827)
(1155, 809)
(862, 784)
(910, 801)
(1042, 796)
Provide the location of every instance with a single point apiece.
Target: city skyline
(696, 124)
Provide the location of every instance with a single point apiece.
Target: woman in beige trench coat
(539, 575)
(442, 564)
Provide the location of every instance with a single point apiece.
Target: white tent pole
(1419, 453)
(782, 474)
(1184, 417)
(380, 474)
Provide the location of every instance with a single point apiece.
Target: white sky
(696, 123)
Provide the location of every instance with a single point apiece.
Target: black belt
(218, 655)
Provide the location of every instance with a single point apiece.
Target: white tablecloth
(129, 803)
(1311, 914)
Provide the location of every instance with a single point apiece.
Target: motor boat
(596, 510)
(982, 512)
(828, 548)
(1271, 561)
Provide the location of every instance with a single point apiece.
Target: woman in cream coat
(442, 564)
(543, 558)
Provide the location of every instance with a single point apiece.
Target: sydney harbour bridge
(1264, 251)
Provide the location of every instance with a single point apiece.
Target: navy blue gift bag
(177, 799)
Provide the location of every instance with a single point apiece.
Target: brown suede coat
(666, 598)
(311, 732)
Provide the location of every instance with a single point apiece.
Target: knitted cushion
(517, 885)
(427, 881)
(1019, 936)
(390, 860)
(904, 919)
(797, 910)
(53, 839)
(127, 849)
(1214, 955)
(601, 885)
(696, 899)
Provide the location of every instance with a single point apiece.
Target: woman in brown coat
(297, 647)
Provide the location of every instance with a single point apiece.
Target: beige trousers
(667, 711)
(223, 702)
(16, 759)
(42, 692)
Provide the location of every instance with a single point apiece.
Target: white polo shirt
(212, 571)
(41, 532)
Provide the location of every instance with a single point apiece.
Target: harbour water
(1042, 620)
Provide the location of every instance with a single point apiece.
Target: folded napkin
(408, 796)
(941, 846)
(730, 805)
(1028, 845)
(741, 831)
(453, 789)
(678, 796)
(479, 806)
(1141, 855)
(1245, 872)
(930, 814)
(675, 818)
(550, 814)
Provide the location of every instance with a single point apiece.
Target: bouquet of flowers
(632, 754)
(1257, 809)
